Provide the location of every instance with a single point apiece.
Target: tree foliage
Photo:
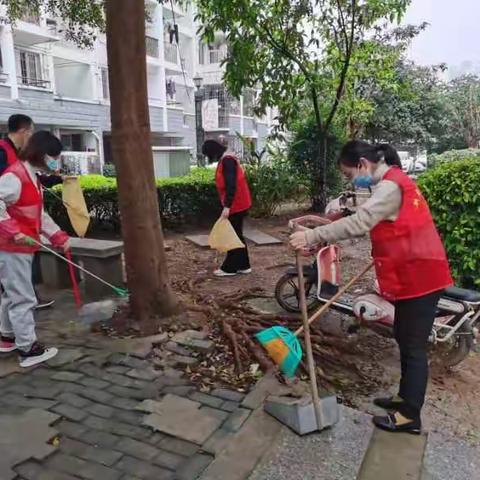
(298, 50)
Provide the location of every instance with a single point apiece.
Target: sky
(453, 35)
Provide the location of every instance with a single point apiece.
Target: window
(105, 86)
(31, 69)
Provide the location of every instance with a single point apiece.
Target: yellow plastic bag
(223, 237)
(74, 202)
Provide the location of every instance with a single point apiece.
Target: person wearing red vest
(410, 262)
(235, 199)
(22, 222)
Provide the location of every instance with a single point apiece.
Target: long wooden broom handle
(327, 305)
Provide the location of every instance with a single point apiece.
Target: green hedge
(453, 156)
(192, 198)
(452, 190)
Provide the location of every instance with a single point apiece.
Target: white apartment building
(65, 89)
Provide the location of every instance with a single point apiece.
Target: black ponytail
(388, 154)
(354, 150)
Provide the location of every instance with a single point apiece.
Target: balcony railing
(81, 163)
(31, 17)
(34, 82)
(217, 56)
(152, 47)
(171, 53)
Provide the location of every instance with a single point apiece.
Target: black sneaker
(42, 304)
(388, 403)
(397, 423)
(37, 354)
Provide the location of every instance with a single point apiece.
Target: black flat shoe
(388, 403)
(390, 424)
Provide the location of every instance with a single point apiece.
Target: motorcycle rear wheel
(287, 293)
(453, 352)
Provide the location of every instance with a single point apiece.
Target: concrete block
(299, 415)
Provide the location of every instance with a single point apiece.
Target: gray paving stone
(77, 466)
(121, 380)
(27, 436)
(229, 395)
(98, 438)
(260, 238)
(181, 391)
(94, 383)
(103, 456)
(118, 369)
(127, 361)
(143, 470)
(66, 356)
(136, 449)
(229, 406)
(74, 399)
(132, 393)
(198, 240)
(174, 347)
(67, 376)
(138, 374)
(183, 360)
(29, 391)
(72, 387)
(69, 412)
(100, 410)
(34, 471)
(205, 399)
(117, 428)
(175, 382)
(124, 403)
(237, 419)
(168, 460)
(25, 402)
(131, 417)
(217, 442)
(180, 447)
(220, 414)
(99, 396)
(71, 429)
(193, 467)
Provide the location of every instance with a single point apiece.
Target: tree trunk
(151, 295)
(319, 200)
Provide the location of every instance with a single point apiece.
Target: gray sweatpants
(18, 299)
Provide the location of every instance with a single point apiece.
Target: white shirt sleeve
(49, 227)
(10, 190)
(384, 204)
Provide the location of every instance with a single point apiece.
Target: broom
(283, 346)
(122, 292)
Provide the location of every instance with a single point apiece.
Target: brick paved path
(95, 391)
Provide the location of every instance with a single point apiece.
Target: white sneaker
(245, 272)
(37, 354)
(220, 273)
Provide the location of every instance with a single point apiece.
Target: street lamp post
(200, 132)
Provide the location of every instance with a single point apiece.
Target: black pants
(413, 324)
(237, 259)
(36, 275)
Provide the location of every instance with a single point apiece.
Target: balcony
(216, 56)
(31, 17)
(81, 163)
(29, 31)
(35, 82)
(152, 47)
(171, 53)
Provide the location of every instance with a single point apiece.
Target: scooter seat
(463, 294)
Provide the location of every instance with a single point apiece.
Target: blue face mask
(52, 164)
(363, 181)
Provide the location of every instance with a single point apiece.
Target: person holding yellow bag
(236, 200)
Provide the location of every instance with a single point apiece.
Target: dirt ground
(370, 367)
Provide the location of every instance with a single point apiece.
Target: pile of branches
(343, 365)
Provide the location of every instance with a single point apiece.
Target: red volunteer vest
(242, 200)
(410, 260)
(10, 151)
(27, 211)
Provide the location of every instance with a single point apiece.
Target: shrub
(453, 156)
(452, 192)
(192, 198)
(109, 170)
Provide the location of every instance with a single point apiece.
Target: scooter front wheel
(287, 293)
